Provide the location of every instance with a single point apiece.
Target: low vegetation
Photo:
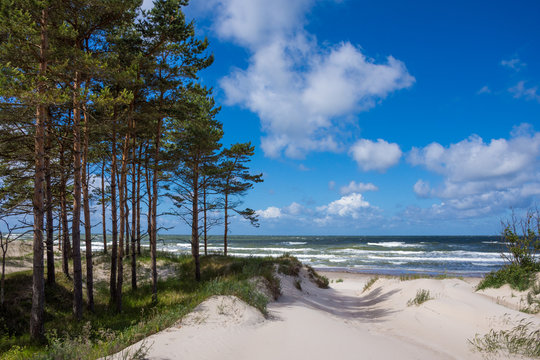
(320, 280)
(289, 265)
(520, 340)
(105, 331)
(517, 276)
(522, 241)
(407, 277)
(370, 283)
(421, 297)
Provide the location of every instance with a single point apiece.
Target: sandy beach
(344, 321)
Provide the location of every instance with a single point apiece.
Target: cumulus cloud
(294, 209)
(299, 89)
(422, 188)
(521, 91)
(349, 205)
(341, 211)
(482, 177)
(360, 187)
(271, 212)
(379, 155)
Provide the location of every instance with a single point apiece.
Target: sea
(391, 255)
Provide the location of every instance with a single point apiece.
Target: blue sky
(379, 118)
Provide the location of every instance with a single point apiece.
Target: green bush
(517, 276)
(521, 237)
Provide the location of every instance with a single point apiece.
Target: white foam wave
(392, 244)
(437, 259)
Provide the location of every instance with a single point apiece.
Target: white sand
(342, 323)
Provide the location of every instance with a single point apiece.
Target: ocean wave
(436, 259)
(366, 252)
(392, 244)
(294, 243)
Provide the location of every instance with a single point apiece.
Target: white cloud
(271, 212)
(299, 89)
(360, 187)
(294, 209)
(482, 177)
(339, 212)
(521, 91)
(379, 155)
(349, 205)
(514, 64)
(422, 188)
(252, 22)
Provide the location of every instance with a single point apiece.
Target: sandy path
(341, 322)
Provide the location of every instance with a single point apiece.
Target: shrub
(522, 238)
(517, 276)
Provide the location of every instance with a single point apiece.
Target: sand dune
(342, 322)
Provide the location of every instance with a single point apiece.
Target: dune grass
(370, 283)
(521, 340)
(421, 297)
(105, 331)
(517, 276)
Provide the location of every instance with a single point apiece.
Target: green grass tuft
(370, 283)
(421, 297)
(320, 280)
(520, 340)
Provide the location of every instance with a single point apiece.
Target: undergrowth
(109, 331)
(520, 340)
(320, 280)
(517, 276)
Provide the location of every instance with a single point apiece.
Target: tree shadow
(344, 306)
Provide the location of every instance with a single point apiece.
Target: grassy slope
(105, 331)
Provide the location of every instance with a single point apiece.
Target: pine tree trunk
(66, 246)
(133, 212)
(195, 223)
(87, 224)
(226, 215)
(122, 205)
(49, 206)
(126, 213)
(204, 216)
(76, 224)
(38, 285)
(3, 280)
(139, 169)
(103, 207)
(153, 226)
(114, 250)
